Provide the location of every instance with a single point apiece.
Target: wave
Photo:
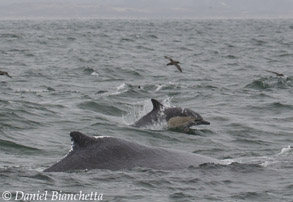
(105, 108)
(270, 83)
(283, 159)
(9, 145)
(19, 114)
(35, 91)
(10, 36)
(279, 105)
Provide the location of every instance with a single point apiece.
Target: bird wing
(278, 74)
(5, 73)
(168, 58)
(178, 67)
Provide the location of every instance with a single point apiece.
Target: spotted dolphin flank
(113, 153)
(176, 117)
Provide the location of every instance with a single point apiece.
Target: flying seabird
(173, 62)
(276, 73)
(5, 73)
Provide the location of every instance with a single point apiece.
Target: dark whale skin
(117, 154)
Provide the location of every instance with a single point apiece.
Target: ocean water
(98, 76)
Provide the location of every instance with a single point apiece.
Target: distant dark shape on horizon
(174, 62)
(276, 73)
(5, 74)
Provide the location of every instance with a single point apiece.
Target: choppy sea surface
(98, 76)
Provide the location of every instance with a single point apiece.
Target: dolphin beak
(202, 122)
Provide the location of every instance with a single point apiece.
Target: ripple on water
(271, 83)
(101, 107)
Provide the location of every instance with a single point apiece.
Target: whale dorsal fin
(80, 140)
(156, 104)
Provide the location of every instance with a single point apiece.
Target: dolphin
(114, 153)
(176, 117)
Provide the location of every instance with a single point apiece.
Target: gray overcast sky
(10, 9)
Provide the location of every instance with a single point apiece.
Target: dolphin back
(152, 116)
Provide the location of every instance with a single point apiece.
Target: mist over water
(98, 76)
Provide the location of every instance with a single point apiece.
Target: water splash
(286, 150)
(282, 159)
(121, 87)
(95, 74)
(168, 85)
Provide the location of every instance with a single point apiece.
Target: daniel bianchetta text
(52, 196)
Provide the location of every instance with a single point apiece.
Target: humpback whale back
(80, 140)
(115, 154)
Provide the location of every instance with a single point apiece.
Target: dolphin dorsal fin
(156, 104)
(80, 140)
